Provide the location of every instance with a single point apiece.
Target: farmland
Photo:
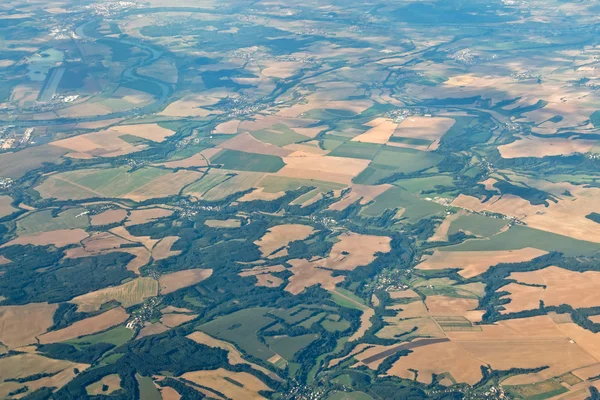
(291, 200)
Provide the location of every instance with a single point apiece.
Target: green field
(239, 160)
(333, 324)
(147, 389)
(280, 135)
(287, 346)
(478, 225)
(116, 336)
(427, 183)
(240, 328)
(406, 160)
(109, 182)
(42, 221)
(396, 197)
(519, 237)
(365, 151)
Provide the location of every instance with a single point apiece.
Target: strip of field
(473, 263)
(45, 220)
(173, 320)
(142, 216)
(128, 294)
(223, 223)
(19, 325)
(87, 326)
(180, 279)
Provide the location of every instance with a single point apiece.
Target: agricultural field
(292, 200)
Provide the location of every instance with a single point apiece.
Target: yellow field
(533, 146)
(25, 365)
(473, 263)
(329, 169)
(281, 235)
(19, 325)
(59, 238)
(128, 294)
(380, 133)
(250, 385)
(247, 143)
(364, 193)
(113, 381)
(162, 249)
(142, 216)
(578, 289)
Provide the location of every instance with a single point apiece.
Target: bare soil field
(19, 325)
(86, 326)
(247, 143)
(173, 320)
(380, 132)
(5, 207)
(180, 279)
(59, 238)
(248, 387)
(415, 309)
(364, 193)
(578, 289)
(533, 146)
(282, 69)
(330, 169)
(403, 294)
(424, 128)
(162, 249)
(473, 263)
(281, 235)
(128, 294)
(108, 217)
(100, 241)
(138, 217)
